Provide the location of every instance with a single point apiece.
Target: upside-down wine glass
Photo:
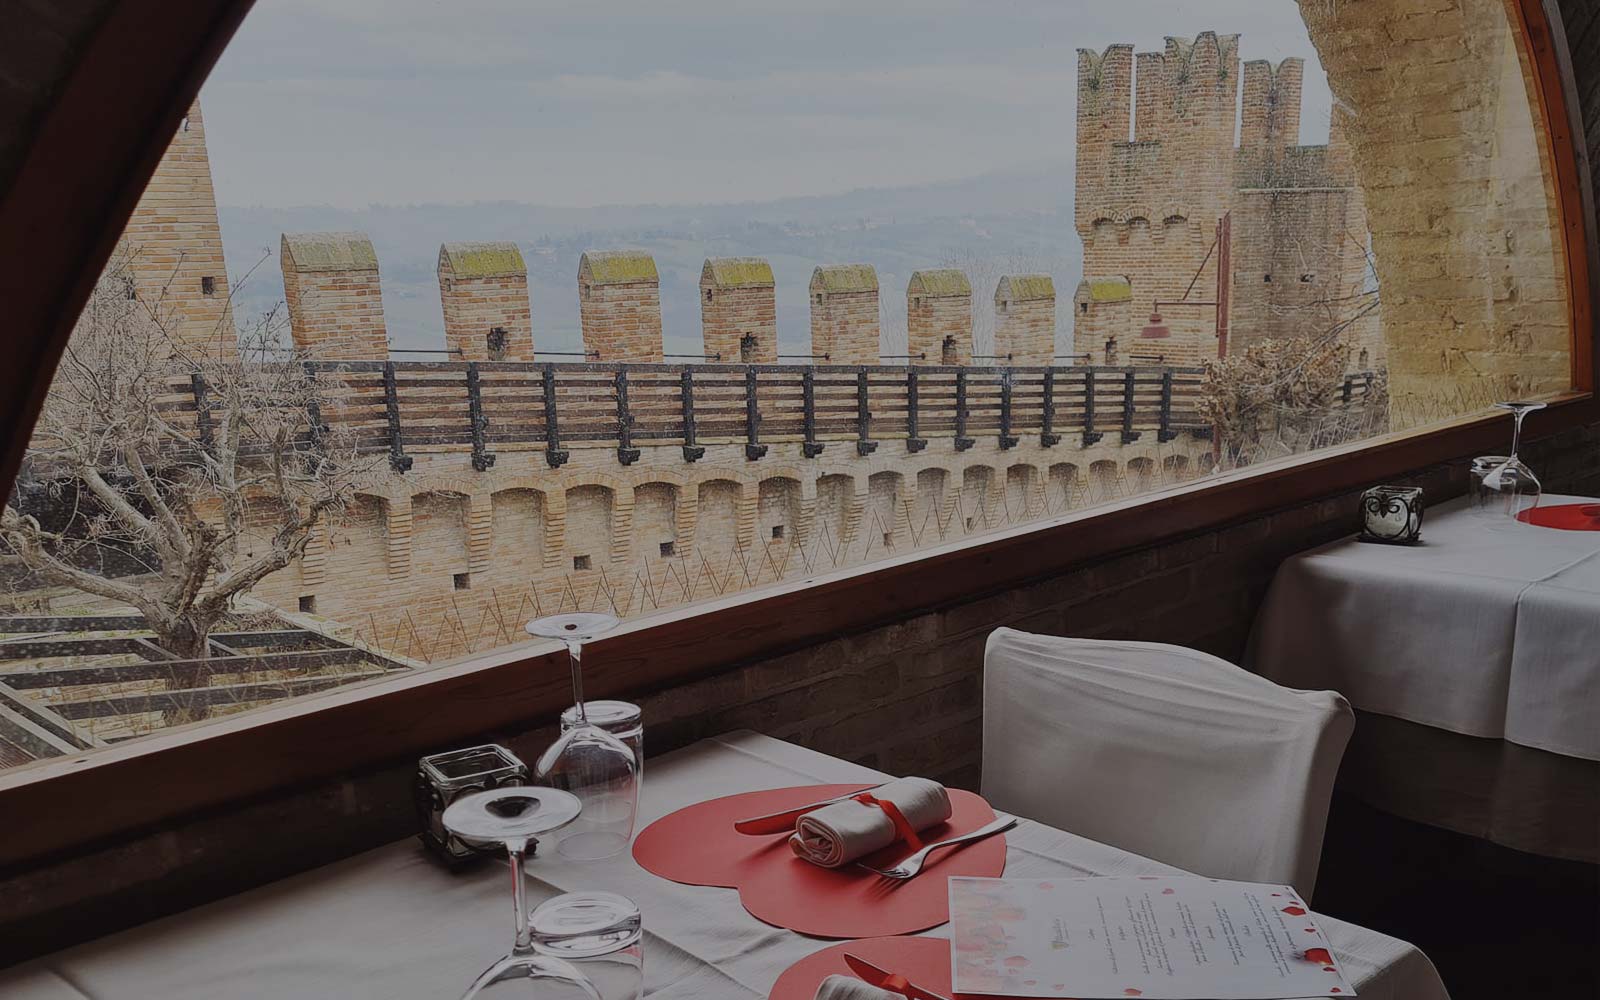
(1508, 490)
(586, 760)
(515, 816)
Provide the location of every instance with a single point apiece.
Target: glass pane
(445, 317)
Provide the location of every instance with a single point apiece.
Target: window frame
(171, 45)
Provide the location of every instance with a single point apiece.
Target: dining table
(1472, 659)
(393, 923)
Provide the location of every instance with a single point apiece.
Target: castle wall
(939, 318)
(174, 246)
(483, 289)
(335, 301)
(844, 314)
(738, 299)
(1025, 319)
(619, 305)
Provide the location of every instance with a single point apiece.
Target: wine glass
(586, 760)
(600, 934)
(1509, 489)
(515, 816)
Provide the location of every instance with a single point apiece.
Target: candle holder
(444, 777)
(1392, 515)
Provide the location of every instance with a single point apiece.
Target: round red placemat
(697, 845)
(1566, 516)
(924, 961)
(854, 903)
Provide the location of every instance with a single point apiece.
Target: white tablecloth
(1492, 633)
(390, 924)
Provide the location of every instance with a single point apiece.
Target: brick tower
(1025, 319)
(173, 244)
(737, 301)
(330, 283)
(619, 302)
(484, 290)
(844, 314)
(939, 317)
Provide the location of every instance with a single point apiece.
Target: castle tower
(737, 301)
(174, 245)
(1270, 118)
(1025, 319)
(1105, 83)
(844, 314)
(330, 283)
(939, 317)
(619, 303)
(484, 290)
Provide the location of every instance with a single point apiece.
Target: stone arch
(590, 524)
(517, 531)
(1023, 492)
(1175, 468)
(1105, 481)
(977, 504)
(835, 495)
(884, 520)
(1142, 475)
(1066, 488)
(930, 516)
(780, 518)
(718, 500)
(439, 537)
(655, 518)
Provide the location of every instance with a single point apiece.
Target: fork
(912, 865)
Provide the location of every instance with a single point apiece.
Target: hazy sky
(578, 102)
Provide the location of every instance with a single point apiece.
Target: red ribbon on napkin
(902, 826)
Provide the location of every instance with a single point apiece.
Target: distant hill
(1013, 220)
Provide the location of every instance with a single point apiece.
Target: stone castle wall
(619, 305)
(174, 243)
(738, 301)
(844, 314)
(335, 301)
(939, 317)
(483, 289)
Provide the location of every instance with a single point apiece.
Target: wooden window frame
(170, 47)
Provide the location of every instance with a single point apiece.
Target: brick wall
(1025, 319)
(939, 317)
(619, 305)
(335, 301)
(738, 299)
(844, 314)
(483, 288)
(1458, 197)
(173, 243)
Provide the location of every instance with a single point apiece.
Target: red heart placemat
(698, 845)
(1566, 516)
(924, 961)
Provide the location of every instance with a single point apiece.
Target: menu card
(1164, 938)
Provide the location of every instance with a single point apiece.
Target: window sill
(159, 778)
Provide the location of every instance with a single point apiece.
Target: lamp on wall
(1158, 329)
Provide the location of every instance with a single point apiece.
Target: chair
(1164, 751)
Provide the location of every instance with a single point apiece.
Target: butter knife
(885, 980)
(783, 822)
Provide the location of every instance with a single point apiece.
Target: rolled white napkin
(840, 833)
(849, 988)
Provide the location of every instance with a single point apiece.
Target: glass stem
(516, 850)
(1516, 432)
(575, 653)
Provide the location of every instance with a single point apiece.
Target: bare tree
(135, 493)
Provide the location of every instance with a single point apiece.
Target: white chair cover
(1163, 751)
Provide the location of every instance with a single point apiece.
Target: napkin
(840, 833)
(849, 988)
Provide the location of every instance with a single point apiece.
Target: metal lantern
(444, 777)
(1392, 514)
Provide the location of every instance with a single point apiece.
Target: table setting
(1484, 623)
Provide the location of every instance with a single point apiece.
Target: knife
(874, 976)
(783, 822)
